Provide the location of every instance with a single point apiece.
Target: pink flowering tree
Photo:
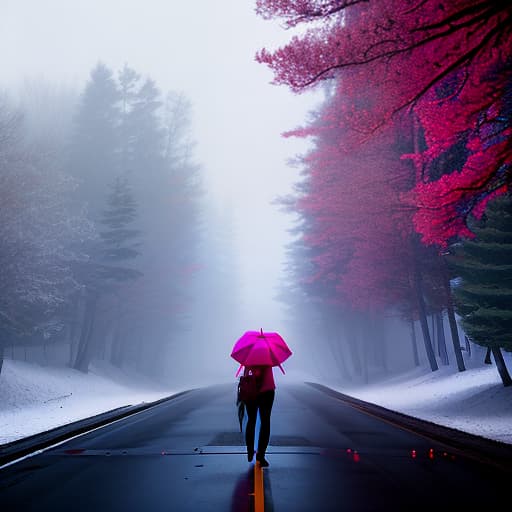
(446, 62)
(357, 231)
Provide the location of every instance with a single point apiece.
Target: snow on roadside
(37, 398)
(473, 401)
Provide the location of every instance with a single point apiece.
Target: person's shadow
(242, 499)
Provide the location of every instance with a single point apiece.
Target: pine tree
(95, 141)
(94, 161)
(119, 241)
(123, 318)
(120, 244)
(107, 270)
(146, 136)
(483, 292)
(128, 80)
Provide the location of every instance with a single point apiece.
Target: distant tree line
(103, 233)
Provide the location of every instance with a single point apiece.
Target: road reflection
(242, 498)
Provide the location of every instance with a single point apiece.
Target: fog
(205, 50)
(201, 52)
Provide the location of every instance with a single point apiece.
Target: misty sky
(204, 49)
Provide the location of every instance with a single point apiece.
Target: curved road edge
(480, 448)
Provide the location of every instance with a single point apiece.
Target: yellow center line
(259, 496)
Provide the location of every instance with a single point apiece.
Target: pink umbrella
(258, 348)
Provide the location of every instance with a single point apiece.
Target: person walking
(258, 353)
(262, 404)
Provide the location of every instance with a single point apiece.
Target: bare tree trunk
(83, 357)
(344, 368)
(441, 340)
(487, 359)
(101, 330)
(73, 342)
(453, 325)
(73, 330)
(415, 355)
(424, 324)
(501, 366)
(433, 330)
(378, 341)
(467, 345)
(418, 285)
(331, 338)
(335, 340)
(455, 339)
(2, 351)
(354, 350)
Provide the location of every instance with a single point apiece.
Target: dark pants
(263, 404)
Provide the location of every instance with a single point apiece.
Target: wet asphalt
(188, 454)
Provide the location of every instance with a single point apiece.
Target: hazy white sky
(206, 50)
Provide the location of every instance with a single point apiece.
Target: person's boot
(261, 459)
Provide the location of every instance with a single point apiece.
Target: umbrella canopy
(258, 348)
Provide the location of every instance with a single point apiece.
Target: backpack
(248, 387)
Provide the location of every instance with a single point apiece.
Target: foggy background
(204, 50)
(230, 119)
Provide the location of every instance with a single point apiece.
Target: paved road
(187, 454)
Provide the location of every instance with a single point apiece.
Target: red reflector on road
(74, 452)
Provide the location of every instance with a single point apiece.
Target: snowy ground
(35, 398)
(473, 401)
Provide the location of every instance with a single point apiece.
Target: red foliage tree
(447, 61)
(357, 228)
(357, 231)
